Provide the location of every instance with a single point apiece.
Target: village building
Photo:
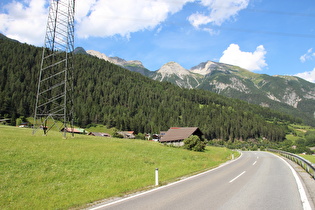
(99, 134)
(127, 134)
(5, 121)
(74, 130)
(176, 135)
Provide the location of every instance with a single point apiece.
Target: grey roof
(99, 134)
(180, 133)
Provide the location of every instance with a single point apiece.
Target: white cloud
(108, 18)
(25, 21)
(211, 31)
(307, 56)
(248, 60)
(219, 11)
(308, 75)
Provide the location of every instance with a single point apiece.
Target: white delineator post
(156, 177)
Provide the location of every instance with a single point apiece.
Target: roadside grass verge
(49, 172)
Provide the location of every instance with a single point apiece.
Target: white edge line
(254, 162)
(305, 202)
(237, 177)
(158, 188)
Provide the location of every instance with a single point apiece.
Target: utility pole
(54, 98)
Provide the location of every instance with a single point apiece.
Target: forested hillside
(116, 97)
(287, 94)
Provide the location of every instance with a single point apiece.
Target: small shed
(5, 121)
(99, 134)
(24, 125)
(176, 135)
(127, 134)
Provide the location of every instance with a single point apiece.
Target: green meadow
(310, 158)
(49, 172)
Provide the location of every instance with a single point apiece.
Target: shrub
(310, 139)
(194, 143)
(117, 135)
(140, 136)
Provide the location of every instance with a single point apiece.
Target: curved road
(256, 180)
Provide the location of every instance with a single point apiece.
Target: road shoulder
(307, 181)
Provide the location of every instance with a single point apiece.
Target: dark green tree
(194, 143)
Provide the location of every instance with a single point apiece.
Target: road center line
(254, 162)
(164, 186)
(237, 177)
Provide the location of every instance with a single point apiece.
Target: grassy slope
(311, 158)
(48, 172)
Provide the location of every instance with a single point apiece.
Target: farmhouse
(176, 135)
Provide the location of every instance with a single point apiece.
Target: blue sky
(267, 37)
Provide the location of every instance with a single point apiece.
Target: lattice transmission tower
(54, 101)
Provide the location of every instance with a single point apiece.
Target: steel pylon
(54, 98)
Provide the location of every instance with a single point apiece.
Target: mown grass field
(49, 172)
(311, 158)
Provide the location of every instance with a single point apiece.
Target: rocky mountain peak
(173, 68)
(135, 63)
(98, 55)
(115, 60)
(207, 68)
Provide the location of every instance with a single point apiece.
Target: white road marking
(254, 162)
(237, 177)
(164, 186)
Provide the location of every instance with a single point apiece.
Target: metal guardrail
(305, 164)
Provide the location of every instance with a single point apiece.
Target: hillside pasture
(49, 172)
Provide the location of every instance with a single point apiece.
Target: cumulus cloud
(248, 60)
(219, 11)
(307, 56)
(308, 75)
(25, 21)
(108, 18)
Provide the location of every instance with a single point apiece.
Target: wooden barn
(176, 135)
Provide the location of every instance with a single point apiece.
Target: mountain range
(107, 94)
(288, 94)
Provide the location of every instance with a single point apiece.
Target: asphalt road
(256, 180)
